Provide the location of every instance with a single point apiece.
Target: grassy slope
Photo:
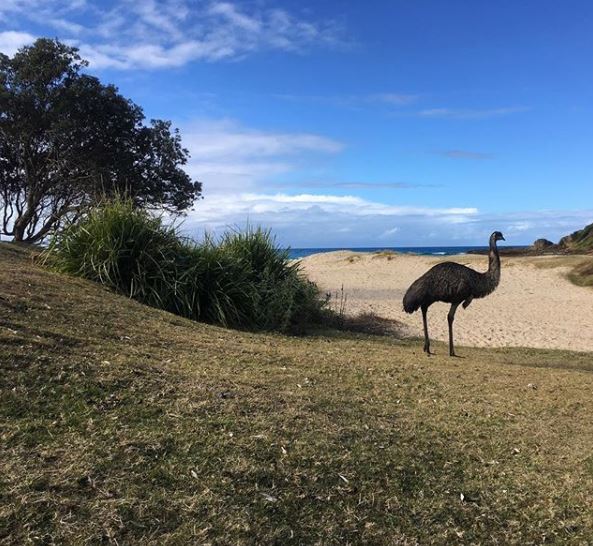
(123, 424)
(581, 267)
(581, 240)
(582, 274)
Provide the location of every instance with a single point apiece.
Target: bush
(244, 280)
(282, 298)
(122, 247)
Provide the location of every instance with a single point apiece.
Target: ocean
(425, 250)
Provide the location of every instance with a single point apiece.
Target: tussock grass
(244, 280)
(582, 274)
(124, 424)
(386, 254)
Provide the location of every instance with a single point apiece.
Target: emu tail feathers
(413, 298)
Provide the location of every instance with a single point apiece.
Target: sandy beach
(534, 305)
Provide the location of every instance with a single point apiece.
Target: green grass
(243, 280)
(124, 424)
(582, 274)
(581, 240)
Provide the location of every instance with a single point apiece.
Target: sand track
(534, 306)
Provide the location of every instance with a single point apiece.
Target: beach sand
(534, 305)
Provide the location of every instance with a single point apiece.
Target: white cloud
(11, 41)
(354, 101)
(325, 220)
(464, 154)
(15, 6)
(230, 157)
(222, 209)
(68, 26)
(518, 227)
(356, 206)
(468, 113)
(40, 11)
(394, 99)
(148, 34)
(227, 139)
(313, 219)
(231, 14)
(389, 232)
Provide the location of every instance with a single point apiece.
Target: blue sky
(381, 123)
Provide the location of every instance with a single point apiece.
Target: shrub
(283, 299)
(244, 280)
(122, 247)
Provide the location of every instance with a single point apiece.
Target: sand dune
(534, 305)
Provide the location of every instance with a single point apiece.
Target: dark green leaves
(66, 140)
(244, 280)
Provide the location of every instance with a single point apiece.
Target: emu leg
(426, 338)
(450, 319)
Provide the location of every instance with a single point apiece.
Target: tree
(66, 140)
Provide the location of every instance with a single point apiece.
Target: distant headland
(578, 242)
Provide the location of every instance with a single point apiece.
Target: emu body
(453, 283)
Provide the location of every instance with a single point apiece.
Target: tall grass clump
(582, 274)
(283, 299)
(243, 280)
(122, 247)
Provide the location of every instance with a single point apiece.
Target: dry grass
(352, 259)
(123, 424)
(551, 262)
(386, 254)
(581, 272)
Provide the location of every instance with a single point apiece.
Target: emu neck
(494, 262)
(489, 281)
(493, 265)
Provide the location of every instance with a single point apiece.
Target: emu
(453, 283)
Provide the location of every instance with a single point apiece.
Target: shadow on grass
(369, 323)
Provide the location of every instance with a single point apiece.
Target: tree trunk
(22, 222)
(18, 230)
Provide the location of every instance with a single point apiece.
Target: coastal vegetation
(131, 412)
(241, 280)
(67, 140)
(579, 241)
(582, 274)
(125, 424)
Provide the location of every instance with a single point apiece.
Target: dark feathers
(453, 283)
(448, 282)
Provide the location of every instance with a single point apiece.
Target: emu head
(496, 236)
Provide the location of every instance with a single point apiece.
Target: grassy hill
(579, 241)
(123, 424)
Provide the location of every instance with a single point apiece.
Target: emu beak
(502, 238)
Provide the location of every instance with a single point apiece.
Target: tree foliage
(67, 139)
